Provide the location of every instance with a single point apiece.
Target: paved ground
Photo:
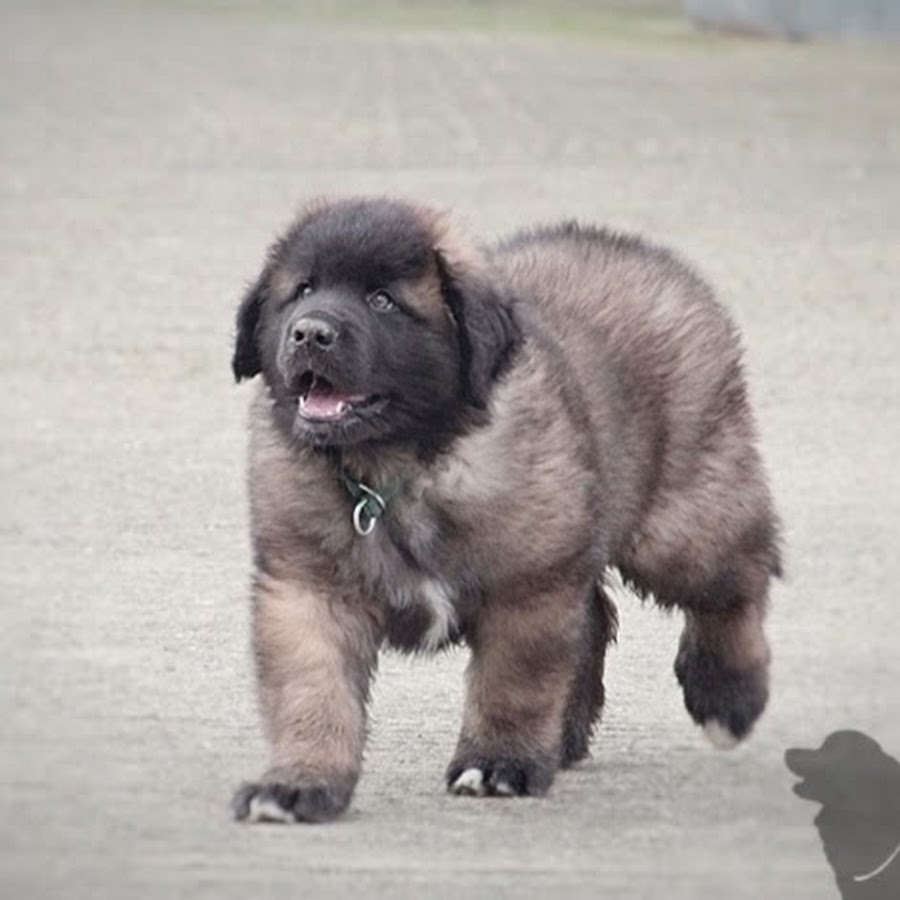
(146, 160)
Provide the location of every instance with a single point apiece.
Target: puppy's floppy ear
(487, 327)
(246, 361)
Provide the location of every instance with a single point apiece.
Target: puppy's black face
(368, 330)
(349, 327)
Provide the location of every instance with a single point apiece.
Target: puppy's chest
(409, 567)
(423, 617)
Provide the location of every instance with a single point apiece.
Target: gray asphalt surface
(146, 161)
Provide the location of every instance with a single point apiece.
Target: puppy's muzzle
(313, 334)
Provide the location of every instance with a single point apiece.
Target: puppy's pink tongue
(324, 402)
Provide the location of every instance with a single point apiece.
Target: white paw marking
(438, 599)
(719, 736)
(469, 783)
(504, 789)
(265, 809)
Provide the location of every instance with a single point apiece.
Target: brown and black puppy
(451, 444)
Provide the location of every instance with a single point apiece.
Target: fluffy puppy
(453, 444)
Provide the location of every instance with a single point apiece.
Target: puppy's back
(631, 298)
(656, 356)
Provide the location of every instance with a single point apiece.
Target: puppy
(452, 444)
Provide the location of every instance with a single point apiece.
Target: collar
(369, 505)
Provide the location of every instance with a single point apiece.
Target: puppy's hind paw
(719, 735)
(725, 702)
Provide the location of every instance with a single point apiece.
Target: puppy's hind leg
(711, 548)
(723, 656)
(723, 669)
(588, 693)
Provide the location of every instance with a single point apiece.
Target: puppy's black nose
(313, 334)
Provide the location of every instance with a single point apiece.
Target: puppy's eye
(304, 289)
(381, 301)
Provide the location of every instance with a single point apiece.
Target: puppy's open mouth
(321, 401)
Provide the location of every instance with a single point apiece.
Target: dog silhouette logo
(858, 785)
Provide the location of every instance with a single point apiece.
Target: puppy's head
(369, 324)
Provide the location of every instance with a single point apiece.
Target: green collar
(369, 504)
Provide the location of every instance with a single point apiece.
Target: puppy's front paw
(486, 777)
(725, 702)
(273, 800)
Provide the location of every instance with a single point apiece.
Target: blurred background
(151, 150)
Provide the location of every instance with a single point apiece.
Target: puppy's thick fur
(530, 413)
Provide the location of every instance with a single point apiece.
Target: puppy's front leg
(314, 656)
(525, 656)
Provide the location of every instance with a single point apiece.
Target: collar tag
(368, 510)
